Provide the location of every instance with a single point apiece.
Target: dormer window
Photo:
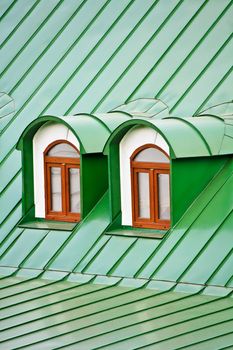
(62, 181)
(145, 179)
(150, 171)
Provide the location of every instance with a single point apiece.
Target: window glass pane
(56, 196)
(74, 190)
(151, 155)
(164, 196)
(63, 150)
(143, 195)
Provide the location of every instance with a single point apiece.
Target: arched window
(150, 178)
(62, 181)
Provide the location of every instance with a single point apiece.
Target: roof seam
(114, 266)
(188, 228)
(17, 27)
(137, 56)
(194, 49)
(56, 65)
(203, 249)
(85, 59)
(167, 49)
(30, 38)
(8, 9)
(214, 89)
(171, 232)
(112, 55)
(219, 51)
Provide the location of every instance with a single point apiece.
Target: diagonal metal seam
(176, 336)
(194, 49)
(147, 332)
(168, 49)
(10, 182)
(48, 46)
(178, 242)
(94, 292)
(214, 89)
(206, 340)
(215, 232)
(31, 37)
(93, 313)
(185, 233)
(211, 61)
(86, 316)
(17, 27)
(220, 266)
(17, 284)
(138, 55)
(8, 215)
(95, 256)
(4, 159)
(32, 95)
(39, 276)
(87, 57)
(8, 276)
(8, 9)
(20, 265)
(109, 60)
(56, 302)
(89, 251)
(121, 258)
(11, 244)
(229, 281)
(51, 283)
(154, 296)
(74, 232)
(71, 287)
(59, 61)
(196, 130)
(123, 316)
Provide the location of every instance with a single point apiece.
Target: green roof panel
(122, 317)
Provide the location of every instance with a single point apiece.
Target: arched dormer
(145, 179)
(62, 181)
(56, 153)
(150, 187)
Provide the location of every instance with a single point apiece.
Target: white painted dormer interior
(47, 134)
(133, 139)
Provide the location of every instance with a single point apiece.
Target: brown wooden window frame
(65, 163)
(153, 169)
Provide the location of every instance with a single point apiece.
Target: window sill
(42, 224)
(137, 232)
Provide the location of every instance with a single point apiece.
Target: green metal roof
(55, 310)
(88, 249)
(84, 126)
(59, 59)
(204, 135)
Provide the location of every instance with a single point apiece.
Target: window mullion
(64, 189)
(156, 195)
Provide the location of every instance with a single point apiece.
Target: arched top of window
(62, 148)
(151, 154)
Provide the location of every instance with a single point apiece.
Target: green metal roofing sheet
(87, 249)
(202, 136)
(87, 312)
(84, 126)
(87, 58)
